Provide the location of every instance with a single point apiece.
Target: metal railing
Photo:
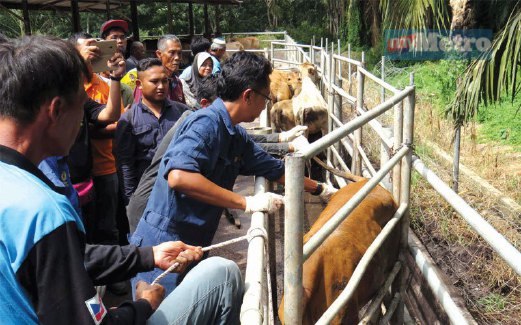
(349, 136)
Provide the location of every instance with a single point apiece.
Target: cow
(329, 268)
(281, 116)
(284, 84)
(249, 43)
(309, 107)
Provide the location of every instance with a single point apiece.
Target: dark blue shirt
(207, 143)
(138, 133)
(57, 171)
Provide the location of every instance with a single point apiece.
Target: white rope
(261, 232)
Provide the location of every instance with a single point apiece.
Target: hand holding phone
(106, 51)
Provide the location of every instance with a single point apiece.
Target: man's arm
(55, 280)
(112, 110)
(197, 186)
(124, 151)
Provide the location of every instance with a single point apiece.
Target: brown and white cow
(328, 270)
(249, 43)
(284, 84)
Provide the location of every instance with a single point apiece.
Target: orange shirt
(103, 162)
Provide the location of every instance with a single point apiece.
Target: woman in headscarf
(201, 67)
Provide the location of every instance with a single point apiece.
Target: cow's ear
(311, 71)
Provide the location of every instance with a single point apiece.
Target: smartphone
(107, 50)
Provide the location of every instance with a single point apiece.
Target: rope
(261, 232)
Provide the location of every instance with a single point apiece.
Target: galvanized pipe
(436, 285)
(360, 269)
(498, 242)
(293, 231)
(390, 310)
(378, 80)
(316, 240)
(252, 310)
(385, 152)
(405, 188)
(397, 137)
(319, 145)
(344, 94)
(356, 163)
(382, 74)
(377, 300)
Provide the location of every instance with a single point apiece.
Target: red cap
(118, 23)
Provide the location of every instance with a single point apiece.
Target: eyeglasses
(267, 99)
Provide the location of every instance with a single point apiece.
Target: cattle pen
(338, 76)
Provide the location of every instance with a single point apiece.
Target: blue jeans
(211, 293)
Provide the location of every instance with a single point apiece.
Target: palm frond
(492, 74)
(414, 14)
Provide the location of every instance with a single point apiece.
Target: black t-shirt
(80, 156)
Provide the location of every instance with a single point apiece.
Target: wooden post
(27, 20)
(75, 16)
(169, 16)
(191, 19)
(207, 31)
(133, 16)
(218, 20)
(107, 9)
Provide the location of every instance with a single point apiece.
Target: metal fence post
(455, 163)
(397, 132)
(312, 54)
(382, 95)
(349, 71)
(293, 231)
(385, 153)
(408, 138)
(272, 56)
(330, 100)
(356, 163)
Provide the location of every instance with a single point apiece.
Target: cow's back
(329, 268)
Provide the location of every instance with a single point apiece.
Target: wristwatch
(319, 189)
(111, 77)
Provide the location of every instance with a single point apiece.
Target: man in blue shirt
(47, 272)
(207, 153)
(143, 126)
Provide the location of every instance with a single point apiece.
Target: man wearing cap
(217, 50)
(115, 29)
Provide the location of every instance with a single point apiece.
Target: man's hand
(88, 51)
(292, 134)
(299, 143)
(166, 254)
(264, 202)
(154, 294)
(117, 65)
(327, 192)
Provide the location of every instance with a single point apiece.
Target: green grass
(501, 122)
(492, 302)
(436, 82)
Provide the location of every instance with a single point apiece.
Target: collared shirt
(175, 91)
(207, 143)
(138, 134)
